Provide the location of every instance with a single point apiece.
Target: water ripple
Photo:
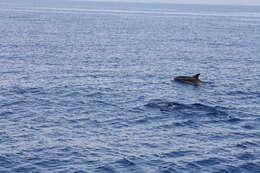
(86, 87)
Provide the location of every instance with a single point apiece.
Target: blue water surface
(87, 87)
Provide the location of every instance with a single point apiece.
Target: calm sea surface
(86, 87)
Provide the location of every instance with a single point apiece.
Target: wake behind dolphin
(193, 80)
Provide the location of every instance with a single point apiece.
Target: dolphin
(193, 80)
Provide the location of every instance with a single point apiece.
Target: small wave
(125, 162)
(188, 123)
(249, 127)
(26, 168)
(95, 94)
(5, 162)
(6, 113)
(234, 120)
(72, 94)
(28, 90)
(169, 169)
(193, 166)
(250, 167)
(209, 162)
(49, 163)
(245, 145)
(230, 169)
(18, 102)
(105, 169)
(246, 156)
(243, 93)
(175, 154)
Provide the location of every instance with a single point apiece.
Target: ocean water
(87, 87)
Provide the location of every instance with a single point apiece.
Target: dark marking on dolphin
(193, 80)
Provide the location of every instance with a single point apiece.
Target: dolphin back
(194, 80)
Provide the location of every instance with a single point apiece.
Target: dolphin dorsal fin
(196, 76)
